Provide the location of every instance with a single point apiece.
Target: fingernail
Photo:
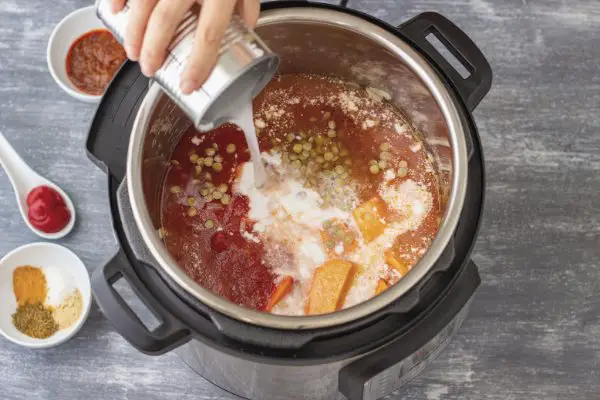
(187, 86)
(146, 70)
(131, 53)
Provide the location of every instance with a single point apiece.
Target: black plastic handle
(355, 379)
(262, 337)
(171, 333)
(471, 89)
(410, 300)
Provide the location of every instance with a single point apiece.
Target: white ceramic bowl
(43, 255)
(64, 35)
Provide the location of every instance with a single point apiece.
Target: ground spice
(69, 311)
(35, 320)
(29, 285)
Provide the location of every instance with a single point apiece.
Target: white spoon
(23, 180)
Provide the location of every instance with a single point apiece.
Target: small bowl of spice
(45, 295)
(83, 56)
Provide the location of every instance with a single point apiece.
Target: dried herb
(35, 320)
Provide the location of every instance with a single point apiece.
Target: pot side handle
(171, 333)
(474, 87)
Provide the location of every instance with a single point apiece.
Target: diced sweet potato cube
(370, 218)
(382, 286)
(337, 235)
(329, 287)
(284, 287)
(394, 261)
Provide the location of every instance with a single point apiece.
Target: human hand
(152, 25)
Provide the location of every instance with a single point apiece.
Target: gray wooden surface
(534, 330)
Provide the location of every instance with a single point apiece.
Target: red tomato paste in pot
(48, 211)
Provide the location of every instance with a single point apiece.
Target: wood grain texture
(534, 329)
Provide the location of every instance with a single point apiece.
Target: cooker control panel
(392, 366)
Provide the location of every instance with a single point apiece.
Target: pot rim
(421, 67)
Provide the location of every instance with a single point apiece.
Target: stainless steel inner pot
(323, 41)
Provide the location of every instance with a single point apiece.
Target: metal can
(244, 67)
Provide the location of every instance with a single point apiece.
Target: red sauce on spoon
(48, 211)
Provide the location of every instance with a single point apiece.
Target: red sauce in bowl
(93, 60)
(48, 211)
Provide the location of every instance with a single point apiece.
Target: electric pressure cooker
(365, 352)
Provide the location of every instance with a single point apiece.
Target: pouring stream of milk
(244, 120)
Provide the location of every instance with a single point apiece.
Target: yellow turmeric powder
(29, 285)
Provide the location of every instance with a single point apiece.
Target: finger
(117, 5)
(165, 18)
(215, 16)
(249, 10)
(136, 27)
